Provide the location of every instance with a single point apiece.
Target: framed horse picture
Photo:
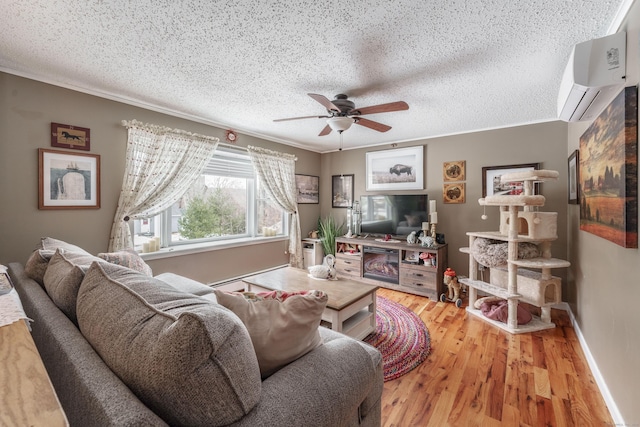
(67, 136)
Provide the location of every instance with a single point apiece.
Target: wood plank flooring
(479, 375)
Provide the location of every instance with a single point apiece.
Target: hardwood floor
(479, 375)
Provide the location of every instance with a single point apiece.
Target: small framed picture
(307, 189)
(574, 178)
(492, 184)
(68, 180)
(341, 191)
(454, 171)
(453, 193)
(67, 136)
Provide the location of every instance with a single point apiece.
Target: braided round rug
(401, 336)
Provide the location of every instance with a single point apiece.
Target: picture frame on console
(491, 179)
(342, 191)
(397, 169)
(68, 180)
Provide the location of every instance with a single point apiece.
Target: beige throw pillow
(127, 258)
(283, 327)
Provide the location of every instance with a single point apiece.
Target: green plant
(329, 230)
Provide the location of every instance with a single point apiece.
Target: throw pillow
(127, 258)
(63, 277)
(51, 244)
(188, 359)
(36, 265)
(282, 327)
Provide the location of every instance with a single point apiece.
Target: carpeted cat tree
(518, 255)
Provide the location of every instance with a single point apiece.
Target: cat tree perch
(528, 280)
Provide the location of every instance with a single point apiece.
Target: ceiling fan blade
(325, 131)
(324, 101)
(381, 108)
(372, 125)
(304, 117)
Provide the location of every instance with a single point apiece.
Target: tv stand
(414, 276)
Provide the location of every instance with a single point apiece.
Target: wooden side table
(27, 397)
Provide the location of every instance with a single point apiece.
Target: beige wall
(543, 143)
(605, 278)
(27, 109)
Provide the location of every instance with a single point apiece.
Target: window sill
(188, 249)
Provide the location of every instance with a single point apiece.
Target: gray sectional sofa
(127, 349)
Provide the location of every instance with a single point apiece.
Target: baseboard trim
(602, 385)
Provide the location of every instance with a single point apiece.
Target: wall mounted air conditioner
(594, 75)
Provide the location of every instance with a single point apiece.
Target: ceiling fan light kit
(340, 124)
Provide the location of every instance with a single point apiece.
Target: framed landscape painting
(609, 172)
(307, 189)
(68, 180)
(398, 169)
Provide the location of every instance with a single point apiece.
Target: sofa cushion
(127, 258)
(191, 361)
(185, 284)
(63, 276)
(282, 327)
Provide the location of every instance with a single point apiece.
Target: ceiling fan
(342, 113)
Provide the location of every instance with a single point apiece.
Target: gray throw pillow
(191, 361)
(63, 277)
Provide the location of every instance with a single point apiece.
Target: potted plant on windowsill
(329, 230)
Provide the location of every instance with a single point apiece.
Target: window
(227, 202)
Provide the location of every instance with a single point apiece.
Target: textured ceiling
(460, 65)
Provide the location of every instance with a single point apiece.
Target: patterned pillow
(282, 326)
(129, 259)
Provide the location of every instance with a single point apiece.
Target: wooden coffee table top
(341, 292)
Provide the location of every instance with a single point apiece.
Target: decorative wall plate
(453, 193)
(454, 171)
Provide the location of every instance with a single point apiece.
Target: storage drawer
(351, 266)
(419, 278)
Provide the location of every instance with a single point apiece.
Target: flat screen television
(397, 215)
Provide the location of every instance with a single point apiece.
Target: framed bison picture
(398, 169)
(67, 136)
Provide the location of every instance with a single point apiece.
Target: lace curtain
(278, 174)
(160, 166)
